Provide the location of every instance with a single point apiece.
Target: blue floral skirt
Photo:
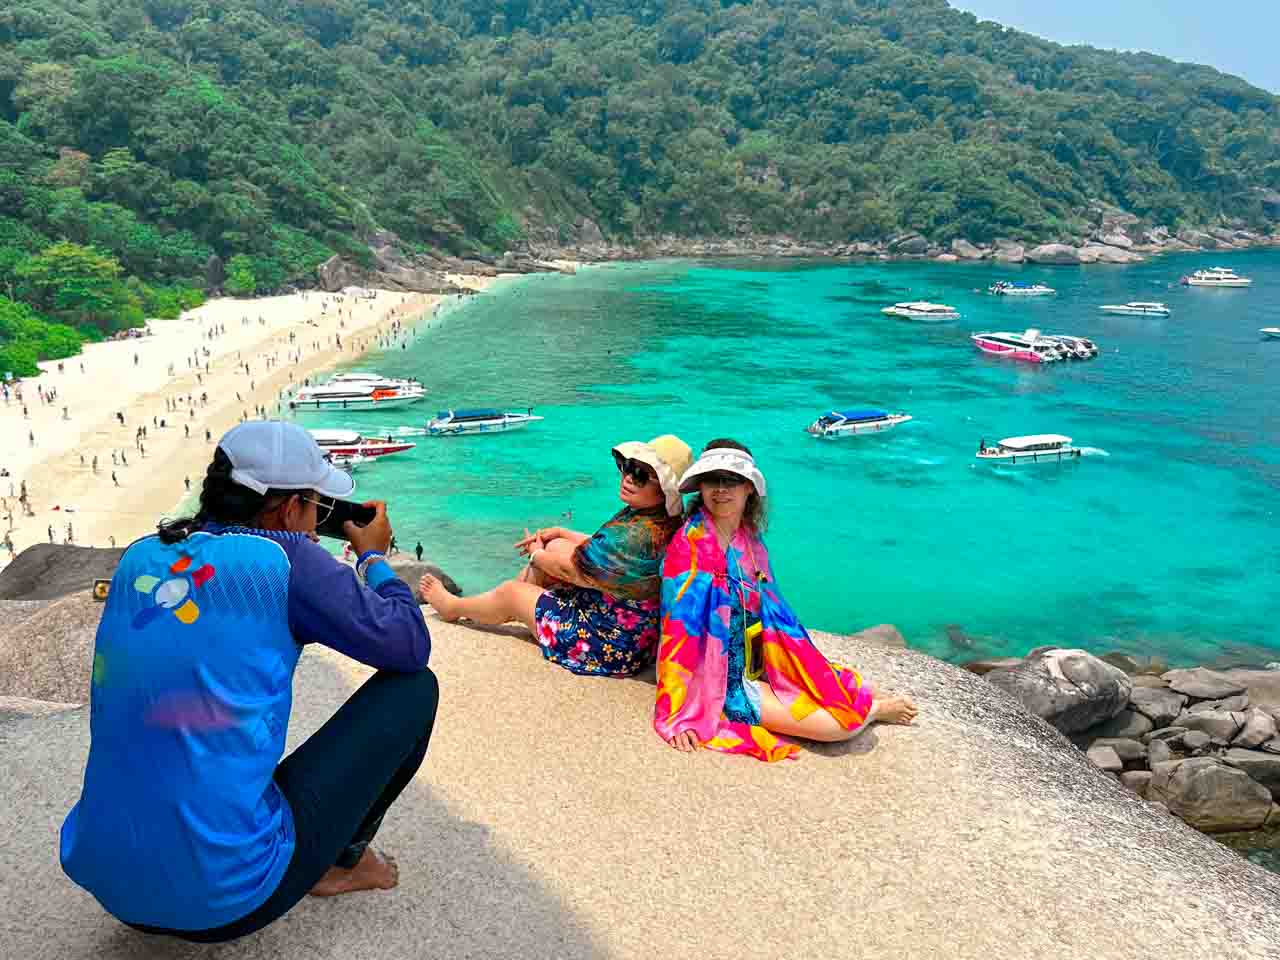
(595, 633)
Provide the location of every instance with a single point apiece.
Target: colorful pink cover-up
(693, 659)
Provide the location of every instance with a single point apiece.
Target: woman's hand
(685, 742)
(534, 541)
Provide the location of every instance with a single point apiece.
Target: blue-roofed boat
(844, 423)
(452, 423)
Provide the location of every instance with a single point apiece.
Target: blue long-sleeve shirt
(180, 823)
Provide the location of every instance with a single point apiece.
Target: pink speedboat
(1028, 346)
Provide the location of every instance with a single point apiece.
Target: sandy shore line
(51, 447)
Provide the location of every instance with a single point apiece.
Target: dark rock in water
(1209, 795)
(1126, 723)
(1070, 689)
(411, 571)
(884, 635)
(1123, 661)
(1263, 768)
(1202, 684)
(1161, 706)
(1216, 723)
(985, 666)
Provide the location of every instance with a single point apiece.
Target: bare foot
(375, 871)
(895, 710)
(434, 593)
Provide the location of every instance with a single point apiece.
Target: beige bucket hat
(669, 456)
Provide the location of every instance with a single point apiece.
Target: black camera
(344, 510)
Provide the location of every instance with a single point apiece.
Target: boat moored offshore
(1271, 333)
(1028, 346)
(1010, 288)
(923, 310)
(1215, 277)
(1036, 448)
(352, 443)
(358, 391)
(1137, 308)
(452, 423)
(844, 423)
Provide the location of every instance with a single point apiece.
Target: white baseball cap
(267, 454)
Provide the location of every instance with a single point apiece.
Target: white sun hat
(723, 460)
(272, 454)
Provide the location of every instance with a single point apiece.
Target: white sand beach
(163, 377)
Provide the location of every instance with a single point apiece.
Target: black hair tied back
(222, 500)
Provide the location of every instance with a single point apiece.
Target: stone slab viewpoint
(549, 821)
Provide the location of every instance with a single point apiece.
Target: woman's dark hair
(222, 500)
(754, 514)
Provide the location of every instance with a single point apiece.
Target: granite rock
(1263, 768)
(966, 250)
(1210, 795)
(1216, 723)
(1105, 758)
(1259, 727)
(1160, 705)
(1159, 751)
(1070, 689)
(1129, 751)
(1195, 740)
(1236, 704)
(1054, 253)
(1137, 781)
(1126, 723)
(1164, 733)
(1202, 684)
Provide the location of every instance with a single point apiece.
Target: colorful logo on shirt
(172, 593)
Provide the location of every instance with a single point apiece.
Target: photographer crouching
(189, 824)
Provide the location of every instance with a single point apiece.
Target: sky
(1236, 36)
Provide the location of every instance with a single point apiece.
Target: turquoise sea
(1165, 544)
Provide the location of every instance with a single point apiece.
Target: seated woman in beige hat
(592, 600)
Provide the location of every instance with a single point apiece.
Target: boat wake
(1093, 452)
(409, 432)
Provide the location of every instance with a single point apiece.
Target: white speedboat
(844, 423)
(1215, 277)
(347, 461)
(352, 443)
(1029, 346)
(1271, 333)
(452, 423)
(1037, 448)
(358, 391)
(1009, 288)
(1137, 308)
(922, 310)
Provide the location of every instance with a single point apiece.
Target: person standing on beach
(113, 478)
(51, 533)
(185, 782)
(418, 551)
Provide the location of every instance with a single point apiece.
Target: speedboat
(922, 310)
(1028, 346)
(347, 462)
(1037, 448)
(452, 423)
(1271, 333)
(1076, 348)
(358, 391)
(1009, 288)
(1216, 277)
(844, 423)
(352, 443)
(1137, 308)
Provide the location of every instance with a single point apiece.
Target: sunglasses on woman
(723, 480)
(324, 507)
(640, 473)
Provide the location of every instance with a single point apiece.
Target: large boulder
(1264, 768)
(1209, 795)
(411, 571)
(912, 243)
(966, 250)
(1197, 239)
(1202, 684)
(1054, 253)
(1161, 706)
(1009, 252)
(336, 273)
(1098, 253)
(1259, 727)
(1262, 686)
(1218, 724)
(1126, 723)
(1116, 238)
(215, 272)
(1070, 689)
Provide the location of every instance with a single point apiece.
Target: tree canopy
(279, 132)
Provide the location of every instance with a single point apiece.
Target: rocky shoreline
(1201, 744)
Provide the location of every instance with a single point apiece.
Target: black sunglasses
(723, 480)
(640, 473)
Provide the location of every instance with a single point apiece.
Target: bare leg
(820, 725)
(512, 600)
(374, 872)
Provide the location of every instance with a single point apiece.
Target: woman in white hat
(592, 600)
(734, 682)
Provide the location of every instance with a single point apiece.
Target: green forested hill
(276, 132)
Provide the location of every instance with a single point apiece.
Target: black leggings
(339, 785)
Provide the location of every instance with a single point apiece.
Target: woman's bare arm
(556, 560)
